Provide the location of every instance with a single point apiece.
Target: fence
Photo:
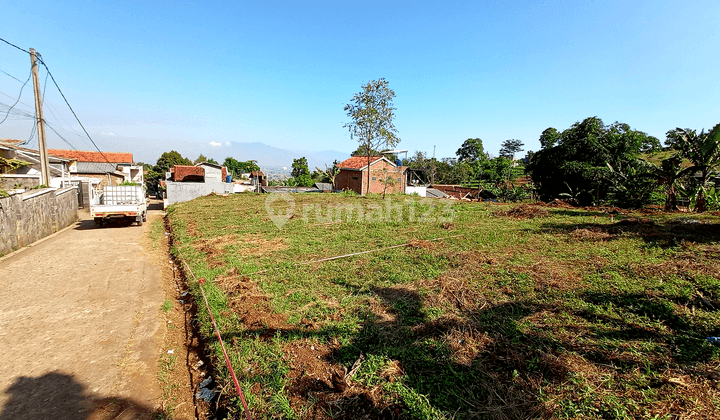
(27, 217)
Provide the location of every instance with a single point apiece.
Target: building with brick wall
(353, 175)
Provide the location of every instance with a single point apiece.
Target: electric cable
(39, 57)
(18, 99)
(11, 75)
(13, 45)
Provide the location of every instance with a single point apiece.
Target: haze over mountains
(149, 151)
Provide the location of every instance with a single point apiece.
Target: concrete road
(80, 326)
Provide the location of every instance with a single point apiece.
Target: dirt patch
(418, 243)
(447, 290)
(192, 229)
(314, 376)
(560, 204)
(557, 275)
(255, 244)
(523, 211)
(590, 234)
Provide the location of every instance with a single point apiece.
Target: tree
(300, 175)
(200, 158)
(669, 174)
(169, 159)
(510, 147)
(371, 111)
(471, 151)
(329, 174)
(703, 150)
(237, 168)
(580, 158)
(299, 167)
(387, 179)
(211, 160)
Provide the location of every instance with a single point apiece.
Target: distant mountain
(273, 156)
(149, 151)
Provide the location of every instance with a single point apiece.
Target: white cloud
(227, 143)
(212, 143)
(110, 133)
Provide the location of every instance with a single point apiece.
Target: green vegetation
(371, 112)
(167, 306)
(515, 312)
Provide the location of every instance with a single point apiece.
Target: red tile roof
(83, 156)
(357, 162)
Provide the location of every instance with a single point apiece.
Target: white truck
(118, 202)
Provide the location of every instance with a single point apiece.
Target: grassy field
(485, 311)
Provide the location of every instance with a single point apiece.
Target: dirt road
(81, 326)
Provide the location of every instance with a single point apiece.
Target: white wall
(421, 191)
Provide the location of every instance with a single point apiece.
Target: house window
(374, 179)
(399, 180)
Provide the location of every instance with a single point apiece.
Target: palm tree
(703, 150)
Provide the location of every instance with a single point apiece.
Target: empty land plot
(483, 312)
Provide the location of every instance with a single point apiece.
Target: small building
(213, 172)
(192, 181)
(258, 178)
(384, 175)
(20, 166)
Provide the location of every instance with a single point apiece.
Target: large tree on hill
(169, 159)
(510, 147)
(471, 151)
(585, 158)
(371, 111)
(703, 150)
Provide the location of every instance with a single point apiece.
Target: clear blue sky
(192, 73)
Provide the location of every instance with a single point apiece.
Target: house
(21, 166)
(353, 175)
(101, 168)
(258, 178)
(213, 172)
(193, 181)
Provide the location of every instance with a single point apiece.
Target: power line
(71, 109)
(11, 76)
(13, 45)
(18, 99)
(58, 134)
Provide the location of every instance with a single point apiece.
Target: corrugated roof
(95, 167)
(86, 156)
(357, 162)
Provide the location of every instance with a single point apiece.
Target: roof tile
(85, 156)
(357, 162)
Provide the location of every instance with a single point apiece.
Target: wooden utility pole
(44, 166)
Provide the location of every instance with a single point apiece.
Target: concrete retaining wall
(25, 218)
(177, 192)
(9, 181)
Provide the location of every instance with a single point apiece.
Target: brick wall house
(353, 175)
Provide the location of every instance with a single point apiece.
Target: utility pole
(44, 166)
(432, 174)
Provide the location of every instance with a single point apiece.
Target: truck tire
(98, 222)
(144, 217)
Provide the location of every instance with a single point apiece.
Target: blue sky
(147, 76)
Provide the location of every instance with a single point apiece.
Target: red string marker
(227, 359)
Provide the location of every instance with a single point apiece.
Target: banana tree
(703, 150)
